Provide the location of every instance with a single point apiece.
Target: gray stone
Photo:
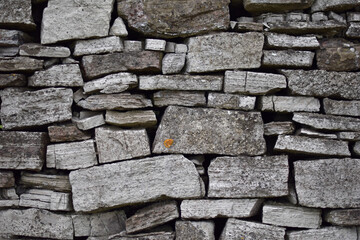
(210, 131)
(354, 30)
(221, 208)
(319, 16)
(347, 108)
(51, 62)
(334, 5)
(37, 50)
(297, 17)
(248, 27)
(356, 148)
(147, 236)
(45, 181)
(223, 51)
(323, 234)
(36, 108)
(90, 122)
(13, 38)
(244, 177)
(289, 104)
(46, 199)
(12, 80)
(16, 14)
(343, 217)
(288, 58)
(313, 133)
(278, 128)
(18, 64)
(140, 118)
(8, 198)
(181, 48)
(170, 47)
(67, 133)
(57, 27)
(133, 46)
(115, 144)
(9, 51)
(353, 16)
(349, 136)
(98, 46)
(337, 17)
(118, 184)
(118, 28)
(155, 44)
(173, 63)
(231, 101)
(274, 40)
(7, 179)
(276, 6)
(200, 230)
(179, 98)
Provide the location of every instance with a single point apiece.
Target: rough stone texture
(349, 136)
(9, 51)
(118, 28)
(223, 51)
(7, 179)
(22, 64)
(353, 17)
(118, 184)
(37, 50)
(147, 236)
(238, 229)
(231, 101)
(133, 46)
(36, 108)
(113, 83)
(247, 27)
(8, 198)
(22, 150)
(275, 5)
(313, 133)
(45, 181)
(354, 30)
(55, 27)
(334, 5)
(274, 40)
(141, 118)
(343, 217)
(13, 38)
(323, 234)
(115, 144)
(328, 183)
(356, 148)
(241, 177)
(12, 80)
(71, 156)
(288, 58)
(179, 98)
(65, 75)
(47, 224)
(221, 208)
(98, 46)
(67, 133)
(173, 63)
(175, 18)
(278, 128)
(46, 199)
(16, 14)
(90, 122)
(347, 108)
(210, 131)
(289, 104)
(155, 44)
(201, 230)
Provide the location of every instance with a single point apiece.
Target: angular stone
(173, 63)
(238, 229)
(278, 128)
(17, 14)
(179, 98)
(13, 38)
(343, 217)
(67, 133)
(316, 134)
(253, 83)
(274, 40)
(222, 208)
(57, 27)
(170, 47)
(12, 80)
(356, 148)
(275, 5)
(16, 64)
(231, 101)
(155, 44)
(353, 16)
(133, 46)
(248, 27)
(9, 51)
(349, 136)
(7, 179)
(223, 51)
(45, 181)
(115, 144)
(210, 131)
(36, 108)
(142, 61)
(90, 122)
(289, 104)
(175, 18)
(151, 216)
(334, 5)
(201, 230)
(8, 198)
(113, 83)
(323, 233)
(46, 199)
(181, 48)
(22, 150)
(98, 46)
(118, 28)
(140, 118)
(181, 82)
(288, 58)
(71, 156)
(65, 75)
(346, 108)
(47, 224)
(37, 50)
(147, 236)
(354, 30)
(244, 177)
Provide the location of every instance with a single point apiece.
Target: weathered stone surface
(289, 104)
(323, 234)
(98, 46)
(22, 150)
(46, 199)
(210, 131)
(67, 133)
(36, 108)
(173, 63)
(71, 156)
(22, 64)
(347, 108)
(90, 122)
(276, 6)
(47, 224)
(118, 184)
(274, 40)
(45, 181)
(181, 82)
(147, 236)
(7, 179)
(334, 5)
(354, 30)
(115, 144)
(320, 83)
(222, 208)
(155, 44)
(118, 28)
(238, 229)
(8, 198)
(223, 51)
(162, 19)
(278, 128)
(64, 75)
(343, 217)
(179, 98)
(113, 83)
(37, 50)
(231, 101)
(247, 27)
(253, 83)
(181, 48)
(241, 177)
(356, 148)
(16, 14)
(140, 118)
(57, 27)
(353, 16)
(151, 216)
(313, 133)
(13, 38)
(349, 136)
(133, 46)
(288, 58)
(140, 61)
(12, 80)
(201, 230)
(9, 51)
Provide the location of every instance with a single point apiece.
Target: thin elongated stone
(313, 133)
(334, 5)
(288, 58)
(37, 50)
(276, 6)
(289, 104)
(113, 83)
(345, 108)
(17, 14)
(59, 183)
(12, 80)
(98, 46)
(179, 98)
(46, 199)
(20, 64)
(147, 236)
(67, 133)
(13, 38)
(284, 41)
(343, 217)
(8, 198)
(146, 118)
(231, 101)
(90, 122)
(201, 230)
(9, 51)
(324, 233)
(7, 179)
(349, 136)
(278, 128)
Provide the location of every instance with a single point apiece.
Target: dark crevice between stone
(237, 10)
(219, 226)
(37, 13)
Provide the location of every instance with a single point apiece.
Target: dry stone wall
(180, 119)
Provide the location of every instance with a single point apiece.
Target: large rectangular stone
(16, 14)
(231, 101)
(343, 217)
(46, 199)
(288, 58)
(67, 133)
(289, 104)
(7, 179)
(20, 64)
(346, 108)
(323, 234)
(140, 118)
(179, 98)
(274, 40)
(210, 131)
(59, 183)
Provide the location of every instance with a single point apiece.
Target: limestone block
(118, 28)
(179, 98)
(324, 233)
(7, 179)
(284, 41)
(173, 63)
(20, 64)
(12, 80)
(37, 50)
(98, 46)
(346, 108)
(231, 101)
(278, 128)
(139, 118)
(276, 6)
(289, 104)
(288, 58)
(343, 217)
(67, 133)
(201, 230)
(16, 14)
(59, 183)
(46, 199)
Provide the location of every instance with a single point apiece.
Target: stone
(8, 198)
(354, 30)
(321, 83)
(284, 41)
(343, 217)
(248, 177)
(181, 48)
(291, 216)
(327, 183)
(224, 51)
(55, 27)
(98, 46)
(155, 45)
(59, 183)
(219, 208)
(278, 128)
(7, 179)
(16, 14)
(179, 98)
(71, 156)
(253, 83)
(137, 118)
(181, 82)
(13, 38)
(238, 229)
(173, 63)
(37, 50)
(231, 101)
(120, 101)
(46, 199)
(353, 16)
(163, 20)
(337, 17)
(12, 80)
(297, 17)
(47, 224)
(312, 133)
(323, 233)
(288, 58)
(349, 136)
(256, 6)
(90, 122)
(118, 28)
(20, 64)
(64, 75)
(133, 46)
(119, 182)
(289, 104)
(36, 108)
(22, 150)
(170, 47)
(200, 230)
(334, 5)
(248, 27)
(210, 131)
(67, 133)
(346, 108)
(151, 216)
(356, 148)
(9, 51)
(141, 61)
(318, 17)
(147, 236)
(115, 144)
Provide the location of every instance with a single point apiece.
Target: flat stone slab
(289, 104)
(200, 230)
(324, 233)
(314, 133)
(147, 236)
(118, 184)
(12, 80)
(46, 199)
(278, 128)
(67, 133)
(137, 118)
(334, 5)
(231, 101)
(17, 14)
(284, 41)
(59, 183)
(210, 131)
(276, 6)
(20, 64)
(13, 38)
(179, 98)
(345, 108)
(349, 136)
(343, 217)
(98, 46)
(288, 58)
(38, 50)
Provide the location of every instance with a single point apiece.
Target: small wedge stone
(7, 179)
(173, 63)
(278, 128)
(118, 28)
(90, 122)
(98, 46)
(200, 230)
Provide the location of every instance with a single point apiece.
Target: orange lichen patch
(168, 143)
